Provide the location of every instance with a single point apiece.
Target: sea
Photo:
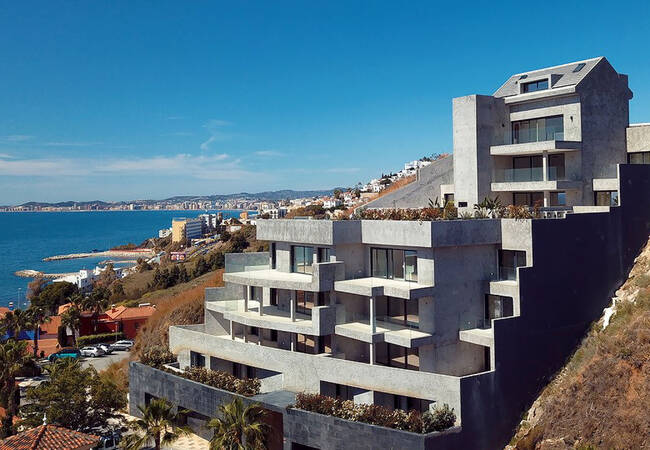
(28, 237)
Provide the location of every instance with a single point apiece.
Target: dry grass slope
(601, 398)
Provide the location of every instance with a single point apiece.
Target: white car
(91, 351)
(122, 345)
(106, 347)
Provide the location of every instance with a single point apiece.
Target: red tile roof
(3, 311)
(124, 313)
(49, 437)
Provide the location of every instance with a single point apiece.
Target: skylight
(579, 67)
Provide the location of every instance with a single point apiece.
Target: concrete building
(188, 229)
(475, 314)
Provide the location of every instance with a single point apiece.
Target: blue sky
(130, 99)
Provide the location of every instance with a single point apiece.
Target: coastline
(38, 274)
(106, 253)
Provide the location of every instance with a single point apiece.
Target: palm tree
(13, 357)
(71, 318)
(96, 302)
(15, 322)
(238, 427)
(158, 425)
(37, 317)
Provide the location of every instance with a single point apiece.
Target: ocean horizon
(28, 237)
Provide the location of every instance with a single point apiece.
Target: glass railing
(507, 273)
(557, 173)
(474, 324)
(542, 135)
(235, 267)
(518, 175)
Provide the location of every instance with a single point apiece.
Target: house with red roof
(50, 437)
(127, 320)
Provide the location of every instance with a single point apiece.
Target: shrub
(438, 420)
(157, 356)
(221, 380)
(98, 338)
(518, 212)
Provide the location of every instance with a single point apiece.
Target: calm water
(27, 238)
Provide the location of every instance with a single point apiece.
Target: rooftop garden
(413, 421)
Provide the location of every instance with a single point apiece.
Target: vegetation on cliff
(600, 399)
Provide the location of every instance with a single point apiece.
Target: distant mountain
(267, 195)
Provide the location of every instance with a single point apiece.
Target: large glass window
(556, 167)
(394, 264)
(540, 85)
(497, 306)
(639, 158)
(305, 343)
(403, 312)
(273, 257)
(526, 168)
(197, 359)
(323, 254)
(534, 130)
(528, 198)
(396, 356)
(302, 259)
(509, 260)
(606, 198)
(558, 198)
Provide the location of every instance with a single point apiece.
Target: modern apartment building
(475, 314)
(188, 229)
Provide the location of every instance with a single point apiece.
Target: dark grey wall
(578, 263)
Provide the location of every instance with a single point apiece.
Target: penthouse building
(475, 314)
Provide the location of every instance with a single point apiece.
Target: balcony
(309, 232)
(320, 323)
(557, 145)
(478, 332)
(533, 179)
(321, 280)
(392, 333)
(373, 287)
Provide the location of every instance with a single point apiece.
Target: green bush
(220, 380)
(438, 420)
(98, 338)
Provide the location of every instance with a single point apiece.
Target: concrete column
(292, 306)
(232, 330)
(373, 316)
(372, 354)
(249, 293)
(547, 199)
(545, 166)
(293, 342)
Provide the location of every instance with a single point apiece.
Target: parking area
(102, 362)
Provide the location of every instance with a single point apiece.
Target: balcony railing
(519, 175)
(543, 134)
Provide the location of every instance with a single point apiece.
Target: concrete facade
(475, 314)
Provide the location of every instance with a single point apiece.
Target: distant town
(275, 203)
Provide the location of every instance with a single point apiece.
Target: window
(305, 343)
(606, 198)
(639, 158)
(526, 168)
(273, 257)
(509, 260)
(395, 356)
(394, 264)
(533, 86)
(325, 344)
(403, 312)
(528, 198)
(197, 359)
(497, 306)
(535, 130)
(579, 67)
(449, 198)
(323, 255)
(274, 297)
(556, 167)
(302, 259)
(558, 198)
(410, 403)
(305, 301)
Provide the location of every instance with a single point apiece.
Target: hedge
(98, 338)
(440, 419)
(220, 380)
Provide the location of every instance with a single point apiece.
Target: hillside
(600, 398)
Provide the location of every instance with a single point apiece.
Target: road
(103, 362)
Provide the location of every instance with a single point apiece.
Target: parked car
(92, 351)
(122, 345)
(106, 347)
(110, 441)
(65, 353)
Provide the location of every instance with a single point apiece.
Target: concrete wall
(638, 138)
(314, 232)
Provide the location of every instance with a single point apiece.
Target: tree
(35, 287)
(97, 302)
(157, 425)
(37, 317)
(73, 397)
(71, 318)
(107, 276)
(13, 357)
(15, 322)
(54, 295)
(238, 427)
